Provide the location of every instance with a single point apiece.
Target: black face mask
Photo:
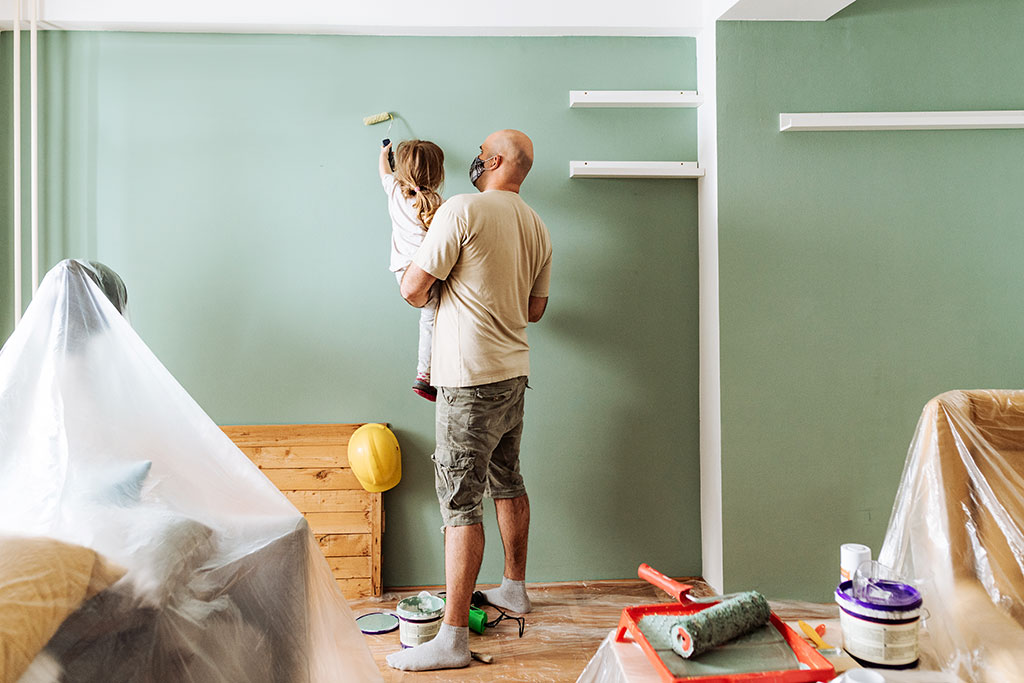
(476, 168)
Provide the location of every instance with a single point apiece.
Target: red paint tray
(814, 667)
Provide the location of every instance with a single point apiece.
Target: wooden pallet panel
(308, 479)
(292, 435)
(345, 545)
(309, 464)
(356, 587)
(340, 522)
(331, 501)
(350, 567)
(293, 457)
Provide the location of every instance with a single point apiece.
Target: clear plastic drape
(101, 447)
(956, 532)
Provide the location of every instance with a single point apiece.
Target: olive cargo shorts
(478, 434)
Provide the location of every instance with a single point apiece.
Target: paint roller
(732, 617)
(381, 118)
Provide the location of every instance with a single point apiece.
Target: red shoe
(425, 390)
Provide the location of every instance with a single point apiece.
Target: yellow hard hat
(375, 458)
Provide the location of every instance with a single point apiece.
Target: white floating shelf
(902, 120)
(635, 169)
(634, 98)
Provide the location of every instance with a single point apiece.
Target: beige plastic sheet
(102, 449)
(956, 532)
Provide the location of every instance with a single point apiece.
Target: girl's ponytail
(419, 170)
(427, 203)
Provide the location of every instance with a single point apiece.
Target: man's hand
(416, 284)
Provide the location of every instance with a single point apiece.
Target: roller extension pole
(16, 118)
(34, 98)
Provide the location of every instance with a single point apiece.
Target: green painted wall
(230, 180)
(6, 185)
(862, 273)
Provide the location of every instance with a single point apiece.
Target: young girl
(413, 198)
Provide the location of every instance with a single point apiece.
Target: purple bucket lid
(900, 598)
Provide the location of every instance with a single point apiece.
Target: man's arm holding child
(438, 253)
(416, 284)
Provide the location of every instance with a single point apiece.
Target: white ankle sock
(448, 650)
(510, 595)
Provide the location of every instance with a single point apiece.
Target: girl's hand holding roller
(384, 161)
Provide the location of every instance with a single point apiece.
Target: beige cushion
(42, 581)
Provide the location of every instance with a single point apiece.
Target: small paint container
(419, 618)
(881, 631)
(852, 556)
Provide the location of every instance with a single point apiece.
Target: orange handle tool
(671, 586)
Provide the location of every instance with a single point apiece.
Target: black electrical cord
(479, 600)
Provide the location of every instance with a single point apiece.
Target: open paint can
(419, 618)
(880, 627)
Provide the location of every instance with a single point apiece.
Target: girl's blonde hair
(419, 170)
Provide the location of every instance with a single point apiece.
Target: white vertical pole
(16, 116)
(34, 96)
(711, 512)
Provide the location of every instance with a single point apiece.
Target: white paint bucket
(883, 631)
(419, 618)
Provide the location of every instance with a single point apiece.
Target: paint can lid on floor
(376, 623)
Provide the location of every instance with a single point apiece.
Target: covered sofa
(957, 531)
(171, 557)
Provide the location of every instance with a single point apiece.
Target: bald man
(493, 255)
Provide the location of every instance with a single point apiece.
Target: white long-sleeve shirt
(407, 232)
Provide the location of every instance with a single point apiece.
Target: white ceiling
(414, 17)
(400, 17)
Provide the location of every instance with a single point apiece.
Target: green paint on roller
(693, 634)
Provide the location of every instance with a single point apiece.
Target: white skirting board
(635, 169)
(902, 120)
(634, 98)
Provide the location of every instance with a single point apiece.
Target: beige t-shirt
(493, 253)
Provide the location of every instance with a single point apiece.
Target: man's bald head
(516, 147)
(516, 151)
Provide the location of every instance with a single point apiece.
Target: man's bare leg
(514, 523)
(463, 553)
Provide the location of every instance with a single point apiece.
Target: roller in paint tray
(772, 652)
(693, 634)
(736, 616)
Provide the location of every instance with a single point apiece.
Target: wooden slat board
(309, 463)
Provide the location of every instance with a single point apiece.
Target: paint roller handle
(677, 590)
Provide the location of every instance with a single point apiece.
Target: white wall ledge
(781, 10)
(634, 98)
(902, 120)
(635, 169)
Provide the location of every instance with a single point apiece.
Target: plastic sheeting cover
(101, 447)
(956, 532)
